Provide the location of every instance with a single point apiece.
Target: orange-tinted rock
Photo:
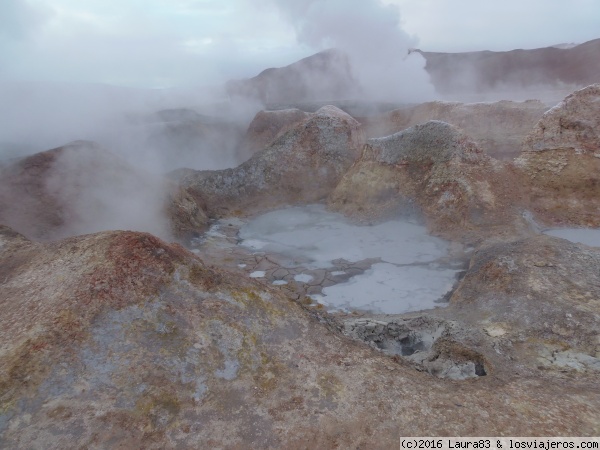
(561, 161)
(267, 126)
(541, 293)
(120, 339)
(301, 166)
(433, 170)
(499, 128)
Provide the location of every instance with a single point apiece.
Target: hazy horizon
(160, 43)
(74, 70)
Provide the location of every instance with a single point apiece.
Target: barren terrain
(244, 307)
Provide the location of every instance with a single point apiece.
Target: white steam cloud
(101, 191)
(369, 33)
(155, 130)
(88, 188)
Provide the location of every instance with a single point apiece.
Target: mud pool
(408, 269)
(587, 236)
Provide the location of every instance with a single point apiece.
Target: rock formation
(539, 296)
(499, 128)
(120, 339)
(545, 73)
(326, 75)
(267, 126)
(561, 161)
(186, 216)
(81, 188)
(434, 170)
(303, 165)
(476, 72)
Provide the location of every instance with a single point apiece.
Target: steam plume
(370, 34)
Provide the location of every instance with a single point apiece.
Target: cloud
(19, 19)
(173, 42)
(19, 23)
(152, 44)
(470, 25)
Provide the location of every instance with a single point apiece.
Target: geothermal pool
(587, 236)
(406, 276)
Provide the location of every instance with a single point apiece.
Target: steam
(81, 188)
(101, 192)
(370, 34)
(140, 135)
(118, 182)
(35, 117)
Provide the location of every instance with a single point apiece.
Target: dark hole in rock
(422, 340)
(405, 346)
(459, 276)
(412, 344)
(480, 370)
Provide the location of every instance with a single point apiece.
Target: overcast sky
(159, 43)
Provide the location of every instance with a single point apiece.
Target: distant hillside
(326, 75)
(485, 70)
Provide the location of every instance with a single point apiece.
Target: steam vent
(364, 244)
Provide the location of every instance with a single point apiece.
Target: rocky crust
(301, 166)
(499, 128)
(477, 72)
(186, 216)
(561, 161)
(267, 126)
(538, 296)
(120, 339)
(431, 170)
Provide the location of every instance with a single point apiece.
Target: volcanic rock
(499, 128)
(326, 75)
(301, 166)
(545, 73)
(540, 296)
(267, 126)
(119, 339)
(434, 170)
(477, 72)
(561, 161)
(186, 216)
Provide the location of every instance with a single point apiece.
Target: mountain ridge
(328, 75)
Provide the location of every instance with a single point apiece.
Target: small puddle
(586, 236)
(409, 270)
